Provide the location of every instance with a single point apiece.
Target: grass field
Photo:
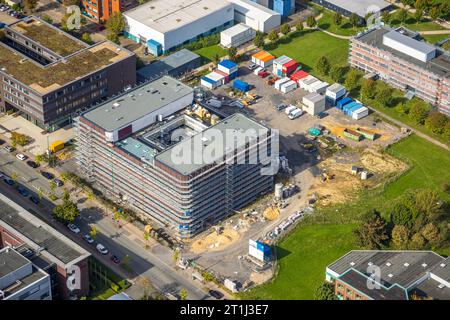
(307, 46)
(306, 252)
(209, 53)
(327, 23)
(433, 38)
(304, 256)
(410, 23)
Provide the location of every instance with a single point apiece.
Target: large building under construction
(146, 149)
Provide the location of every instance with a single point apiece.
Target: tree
(354, 20)
(428, 204)
(258, 41)
(86, 37)
(400, 237)
(232, 54)
(368, 88)
(30, 5)
(401, 15)
(116, 23)
(386, 16)
(431, 233)
(402, 108)
(146, 238)
(372, 232)
(20, 139)
(285, 28)
(323, 65)
(434, 12)
(337, 18)
(183, 294)
(418, 15)
(113, 37)
(273, 35)
(336, 73)
(384, 94)
(418, 242)
(436, 122)
(14, 176)
(93, 232)
(68, 3)
(175, 255)
(299, 26)
(418, 112)
(311, 22)
(420, 4)
(351, 80)
(325, 292)
(67, 211)
(446, 133)
(40, 193)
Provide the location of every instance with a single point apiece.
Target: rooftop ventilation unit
(424, 265)
(390, 275)
(443, 265)
(352, 263)
(388, 264)
(441, 286)
(406, 264)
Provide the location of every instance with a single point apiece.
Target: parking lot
(6, 18)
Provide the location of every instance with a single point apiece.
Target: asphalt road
(155, 267)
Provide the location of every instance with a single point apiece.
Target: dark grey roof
(360, 7)
(431, 288)
(442, 270)
(130, 106)
(439, 65)
(11, 260)
(41, 234)
(236, 122)
(401, 267)
(359, 282)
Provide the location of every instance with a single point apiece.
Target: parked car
(9, 148)
(252, 66)
(88, 239)
(215, 294)
(32, 164)
(102, 249)
(21, 157)
(281, 106)
(73, 228)
(2, 142)
(9, 181)
(23, 191)
(263, 74)
(58, 182)
(115, 259)
(34, 199)
(47, 175)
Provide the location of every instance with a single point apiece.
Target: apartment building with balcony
(48, 76)
(146, 150)
(102, 10)
(390, 275)
(404, 62)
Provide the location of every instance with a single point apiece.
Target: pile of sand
(214, 242)
(375, 161)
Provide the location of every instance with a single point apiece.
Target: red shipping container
(227, 76)
(299, 75)
(290, 67)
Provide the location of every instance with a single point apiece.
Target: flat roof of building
(431, 288)
(236, 123)
(361, 7)
(439, 65)
(420, 46)
(164, 16)
(335, 87)
(401, 267)
(314, 97)
(130, 106)
(255, 10)
(41, 235)
(80, 61)
(48, 36)
(442, 270)
(236, 29)
(11, 260)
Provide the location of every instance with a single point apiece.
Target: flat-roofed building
(390, 275)
(256, 16)
(46, 248)
(48, 76)
(165, 25)
(360, 7)
(147, 150)
(395, 57)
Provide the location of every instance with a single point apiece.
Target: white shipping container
(281, 81)
(318, 87)
(305, 83)
(360, 113)
(288, 86)
(254, 252)
(236, 35)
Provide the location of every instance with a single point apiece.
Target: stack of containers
(279, 82)
(288, 86)
(319, 87)
(334, 93)
(263, 59)
(229, 67)
(227, 76)
(284, 66)
(360, 113)
(297, 76)
(350, 107)
(212, 80)
(342, 102)
(307, 82)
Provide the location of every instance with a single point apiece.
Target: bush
(419, 112)
(285, 29)
(436, 122)
(20, 139)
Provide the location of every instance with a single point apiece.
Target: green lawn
(327, 23)
(433, 38)
(304, 257)
(209, 53)
(307, 46)
(410, 23)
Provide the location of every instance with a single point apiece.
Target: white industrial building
(236, 35)
(163, 25)
(313, 103)
(409, 46)
(255, 15)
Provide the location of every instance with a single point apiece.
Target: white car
(88, 239)
(21, 157)
(102, 249)
(73, 228)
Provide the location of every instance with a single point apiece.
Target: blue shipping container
(154, 47)
(208, 80)
(354, 108)
(341, 103)
(241, 85)
(228, 64)
(233, 75)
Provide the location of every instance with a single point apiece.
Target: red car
(263, 74)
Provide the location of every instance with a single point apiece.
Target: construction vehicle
(327, 176)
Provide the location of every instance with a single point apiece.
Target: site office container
(341, 103)
(279, 82)
(241, 85)
(306, 82)
(279, 62)
(208, 83)
(290, 67)
(288, 86)
(297, 76)
(227, 66)
(352, 135)
(366, 133)
(360, 113)
(318, 87)
(263, 59)
(349, 107)
(227, 76)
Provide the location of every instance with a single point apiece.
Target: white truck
(289, 109)
(295, 114)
